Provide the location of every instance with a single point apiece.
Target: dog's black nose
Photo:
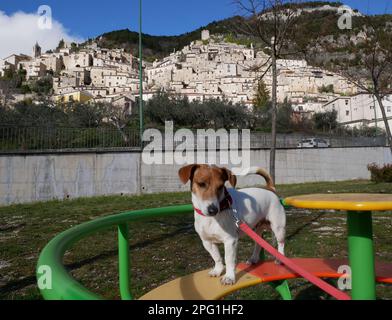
(212, 210)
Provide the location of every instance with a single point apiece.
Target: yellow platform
(343, 201)
(199, 286)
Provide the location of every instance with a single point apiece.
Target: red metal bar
(294, 267)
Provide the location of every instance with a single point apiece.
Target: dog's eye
(202, 185)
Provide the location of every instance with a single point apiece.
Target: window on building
(389, 109)
(347, 113)
(346, 102)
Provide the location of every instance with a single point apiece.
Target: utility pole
(141, 120)
(274, 110)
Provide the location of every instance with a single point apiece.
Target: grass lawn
(163, 249)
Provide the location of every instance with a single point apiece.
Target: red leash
(292, 266)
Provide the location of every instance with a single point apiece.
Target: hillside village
(211, 67)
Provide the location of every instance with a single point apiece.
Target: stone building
(361, 109)
(37, 50)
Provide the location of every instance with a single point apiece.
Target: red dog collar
(225, 204)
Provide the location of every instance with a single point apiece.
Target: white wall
(29, 178)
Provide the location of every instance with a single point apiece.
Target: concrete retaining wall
(292, 166)
(29, 178)
(45, 177)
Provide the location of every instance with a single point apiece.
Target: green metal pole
(123, 261)
(282, 287)
(361, 254)
(141, 120)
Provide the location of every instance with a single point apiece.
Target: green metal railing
(65, 287)
(32, 139)
(23, 139)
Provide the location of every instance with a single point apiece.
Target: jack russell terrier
(214, 219)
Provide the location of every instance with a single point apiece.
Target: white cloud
(20, 31)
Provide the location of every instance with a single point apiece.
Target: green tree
(61, 45)
(284, 117)
(85, 115)
(8, 74)
(327, 89)
(10, 84)
(212, 113)
(326, 121)
(263, 118)
(262, 95)
(42, 87)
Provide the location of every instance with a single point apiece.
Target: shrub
(327, 89)
(381, 174)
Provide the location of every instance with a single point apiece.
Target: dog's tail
(263, 173)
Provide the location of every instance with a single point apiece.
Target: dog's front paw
(216, 272)
(228, 280)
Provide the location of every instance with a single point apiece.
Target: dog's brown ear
(187, 172)
(230, 177)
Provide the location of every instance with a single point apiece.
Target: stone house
(361, 109)
(81, 59)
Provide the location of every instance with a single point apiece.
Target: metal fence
(21, 139)
(285, 141)
(33, 139)
(260, 140)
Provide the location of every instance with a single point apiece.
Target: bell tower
(36, 50)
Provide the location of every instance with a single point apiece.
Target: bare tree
(120, 117)
(272, 23)
(371, 70)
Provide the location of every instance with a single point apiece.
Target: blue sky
(89, 18)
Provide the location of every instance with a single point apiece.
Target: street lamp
(141, 120)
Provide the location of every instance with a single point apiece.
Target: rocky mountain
(317, 24)
(159, 46)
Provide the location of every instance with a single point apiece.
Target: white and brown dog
(214, 221)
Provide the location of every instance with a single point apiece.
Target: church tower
(36, 50)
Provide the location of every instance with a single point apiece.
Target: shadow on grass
(31, 280)
(302, 227)
(312, 292)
